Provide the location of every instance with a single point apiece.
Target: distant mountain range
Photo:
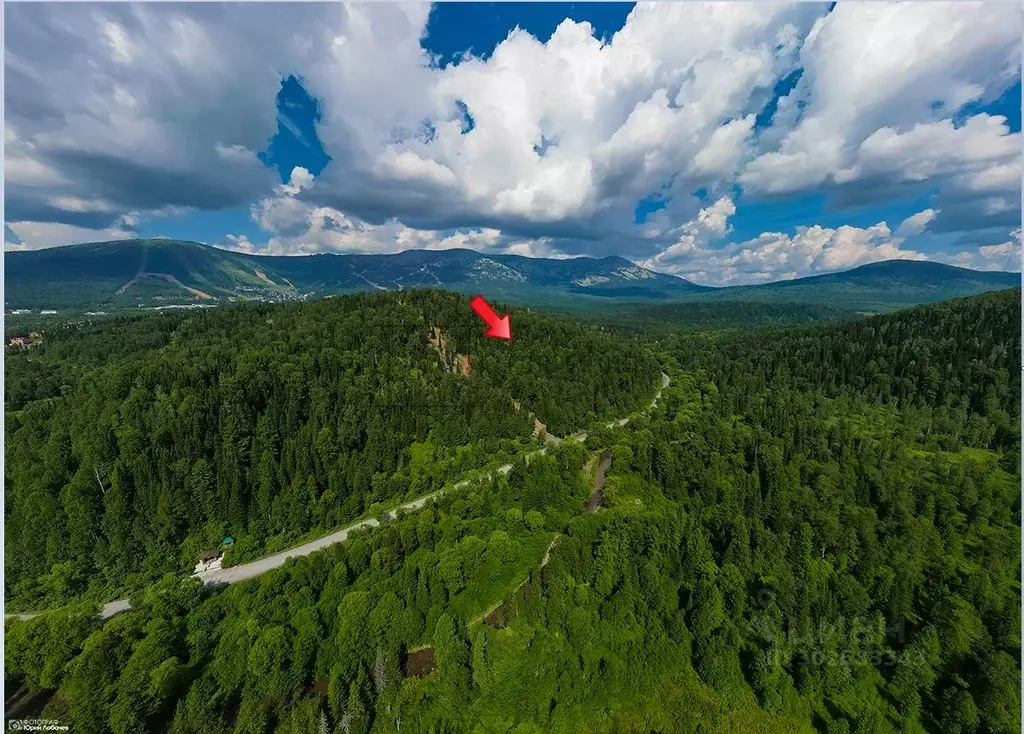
(152, 272)
(155, 273)
(881, 286)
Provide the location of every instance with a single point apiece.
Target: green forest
(133, 445)
(815, 527)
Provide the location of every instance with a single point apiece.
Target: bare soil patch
(497, 618)
(419, 663)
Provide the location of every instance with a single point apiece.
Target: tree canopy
(814, 529)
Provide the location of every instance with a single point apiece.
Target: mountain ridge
(161, 272)
(885, 285)
(148, 272)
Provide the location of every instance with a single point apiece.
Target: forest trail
(593, 505)
(494, 607)
(597, 497)
(242, 572)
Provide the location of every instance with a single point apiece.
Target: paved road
(249, 570)
(107, 611)
(245, 571)
(255, 568)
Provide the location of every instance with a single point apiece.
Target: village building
(209, 561)
(33, 338)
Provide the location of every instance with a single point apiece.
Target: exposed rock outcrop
(450, 359)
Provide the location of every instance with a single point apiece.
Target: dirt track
(597, 497)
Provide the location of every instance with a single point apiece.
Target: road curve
(245, 571)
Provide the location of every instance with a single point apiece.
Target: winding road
(242, 572)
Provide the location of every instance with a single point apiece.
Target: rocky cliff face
(450, 359)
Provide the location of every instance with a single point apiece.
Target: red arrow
(499, 328)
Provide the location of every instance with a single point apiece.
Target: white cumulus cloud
(697, 255)
(916, 223)
(1004, 256)
(141, 110)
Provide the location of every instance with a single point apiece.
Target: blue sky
(726, 144)
(457, 28)
(452, 30)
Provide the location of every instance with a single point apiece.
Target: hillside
(165, 272)
(848, 504)
(710, 315)
(130, 443)
(882, 286)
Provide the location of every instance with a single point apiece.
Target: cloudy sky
(726, 143)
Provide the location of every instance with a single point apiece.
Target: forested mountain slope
(663, 319)
(132, 445)
(159, 273)
(876, 287)
(957, 359)
(848, 500)
(794, 540)
(133, 273)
